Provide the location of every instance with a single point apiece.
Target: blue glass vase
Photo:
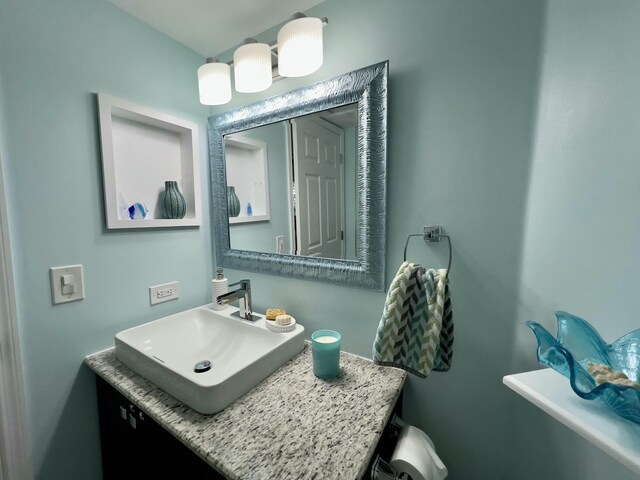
(173, 204)
(578, 344)
(233, 202)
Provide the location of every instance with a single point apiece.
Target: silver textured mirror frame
(367, 87)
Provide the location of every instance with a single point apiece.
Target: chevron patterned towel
(408, 335)
(444, 355)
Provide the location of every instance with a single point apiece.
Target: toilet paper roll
(416, 456)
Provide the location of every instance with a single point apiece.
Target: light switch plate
(56, 275)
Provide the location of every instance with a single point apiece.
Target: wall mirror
(299, 182)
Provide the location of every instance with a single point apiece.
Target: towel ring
(431, 233)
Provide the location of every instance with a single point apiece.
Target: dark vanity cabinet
(136, 447)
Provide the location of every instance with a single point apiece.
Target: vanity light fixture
(252, 67)
(300, 46)
(297, 52)
(214, 82)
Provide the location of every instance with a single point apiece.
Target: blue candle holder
(325, 349)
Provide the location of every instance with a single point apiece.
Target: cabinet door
(136, 447)
(119, 442)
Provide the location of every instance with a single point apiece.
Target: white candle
(326, 339)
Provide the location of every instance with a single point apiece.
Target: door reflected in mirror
(295, 182)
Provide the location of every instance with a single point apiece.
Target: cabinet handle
(132, 421)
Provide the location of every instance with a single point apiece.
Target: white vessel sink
(242, 354)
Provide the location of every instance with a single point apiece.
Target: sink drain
(203, 366)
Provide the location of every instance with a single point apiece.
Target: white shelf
(141, 149)
(552, 392)
(247, 219)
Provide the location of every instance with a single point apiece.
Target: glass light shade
(214, 83)
(300, 47)
(252, 67)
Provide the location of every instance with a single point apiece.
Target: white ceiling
(210, 27)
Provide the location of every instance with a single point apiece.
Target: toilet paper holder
(381, 469)
(414, 456)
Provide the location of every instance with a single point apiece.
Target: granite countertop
(291, 426)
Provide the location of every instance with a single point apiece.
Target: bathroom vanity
(292, 425)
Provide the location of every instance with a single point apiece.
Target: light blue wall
(582, 228)
(53, 57)
(3, 123)
(462, 93)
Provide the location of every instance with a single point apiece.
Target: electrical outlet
(164, 292)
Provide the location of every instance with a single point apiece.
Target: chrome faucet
(243, 295)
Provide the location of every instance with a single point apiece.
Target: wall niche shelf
(141, 149)
(551, 392)
(247, 171)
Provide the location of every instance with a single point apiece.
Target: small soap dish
(271, 325)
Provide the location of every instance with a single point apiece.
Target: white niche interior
(246, 167)
(141, 149)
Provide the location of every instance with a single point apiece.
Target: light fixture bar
(253, 60)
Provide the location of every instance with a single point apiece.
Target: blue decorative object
(249, 210)
(325, 351)
(233, 202)
(137, 211)
(578, 344)
(173, 204)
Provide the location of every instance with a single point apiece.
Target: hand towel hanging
(408, 335)
(444, 355)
